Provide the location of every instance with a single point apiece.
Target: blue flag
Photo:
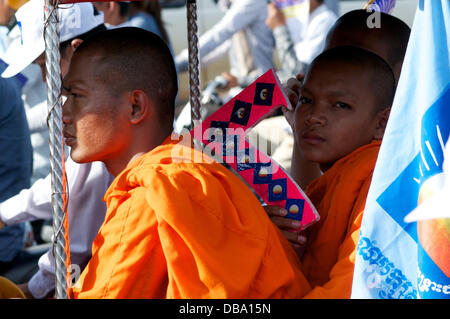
(394, 258)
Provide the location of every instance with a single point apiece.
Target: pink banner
(224, 134)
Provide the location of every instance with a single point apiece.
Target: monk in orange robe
(339, 123)
(174, 227)
(179, 229)
(389, 40)
(340, 196)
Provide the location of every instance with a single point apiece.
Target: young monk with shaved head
(173, 228)
(389, 40)
(339, 188)
(339, 122)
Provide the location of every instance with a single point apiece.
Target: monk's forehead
(87, 63)
(90, 56)
(338, 72)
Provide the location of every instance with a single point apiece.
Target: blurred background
(175, 21)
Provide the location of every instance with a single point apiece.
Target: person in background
(334, 6)
(249, 42)
(34, 94)
(295, 57)
(6, 15)
(147, 15)
(16, 165)
(140, 14)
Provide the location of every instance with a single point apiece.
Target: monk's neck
(137, 148)
(325, 167)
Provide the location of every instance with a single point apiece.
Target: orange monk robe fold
(187, 230)
(339, 196)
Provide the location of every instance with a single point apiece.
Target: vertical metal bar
(54, 121)
(194, 73)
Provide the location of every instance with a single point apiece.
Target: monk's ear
(381, 122)
(113, 6)
(75, 43)
(139, 106)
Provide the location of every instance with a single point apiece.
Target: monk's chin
(80, 158)
(323, 163)
(314, 157)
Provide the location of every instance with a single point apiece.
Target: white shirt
(86, 212)
(320, 22)
(243, 15)
(334, 6)
(295, 57)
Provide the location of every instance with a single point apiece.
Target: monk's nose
(315, 116)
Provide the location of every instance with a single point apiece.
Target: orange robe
(187, 230)
(339, 196)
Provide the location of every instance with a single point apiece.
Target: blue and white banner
(397, 259)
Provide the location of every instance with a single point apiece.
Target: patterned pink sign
(224, 133)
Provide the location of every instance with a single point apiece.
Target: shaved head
(135, 59)
(389, 41)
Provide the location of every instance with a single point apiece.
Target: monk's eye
(304, 100)
(343, 105)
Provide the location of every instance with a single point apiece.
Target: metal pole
(194, 74)
(54, 122)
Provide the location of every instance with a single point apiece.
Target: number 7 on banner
(224, 133)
